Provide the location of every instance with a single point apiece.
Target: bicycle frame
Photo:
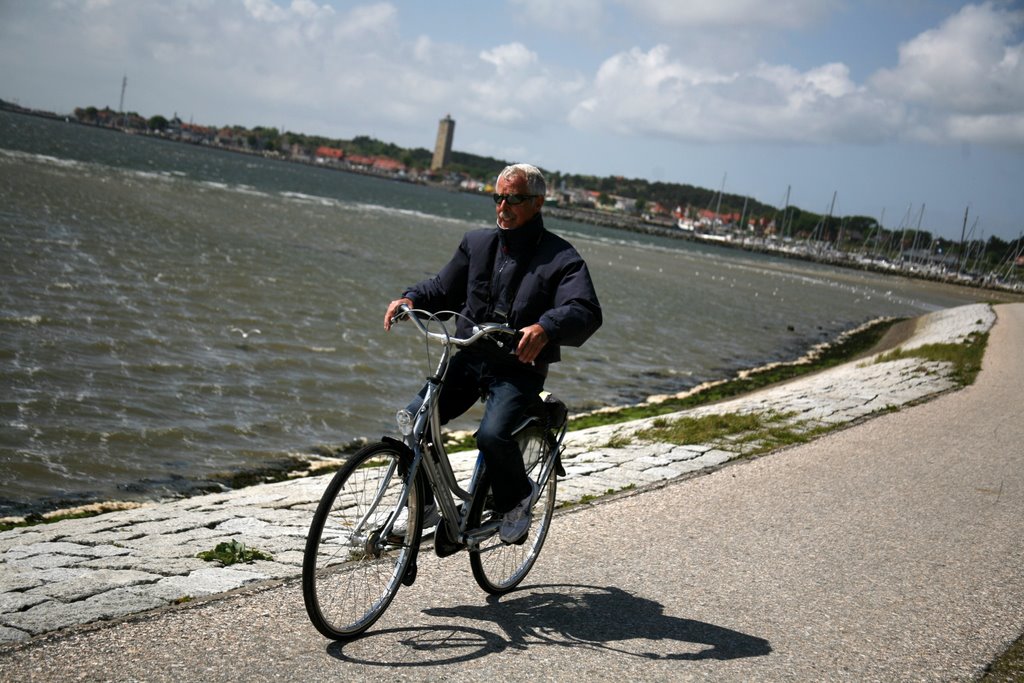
(431, 455)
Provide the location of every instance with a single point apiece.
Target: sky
(904, 111)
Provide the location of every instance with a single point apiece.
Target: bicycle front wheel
(351, 570)
(500, 567)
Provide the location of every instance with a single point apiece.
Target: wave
(370, 207)
(18, 155)
(23, 319)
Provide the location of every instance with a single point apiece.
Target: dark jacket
(542, 273)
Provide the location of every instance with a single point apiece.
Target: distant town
(665, 209)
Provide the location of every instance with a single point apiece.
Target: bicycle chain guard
(443, 545)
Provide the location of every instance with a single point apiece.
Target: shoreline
(318, 459)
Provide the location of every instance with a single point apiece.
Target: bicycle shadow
(563, 615)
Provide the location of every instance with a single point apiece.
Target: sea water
(171, 313)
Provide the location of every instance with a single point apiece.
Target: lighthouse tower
(443, 148)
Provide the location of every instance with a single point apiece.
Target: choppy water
(126, 262)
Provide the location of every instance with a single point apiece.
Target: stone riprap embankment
(77, 571)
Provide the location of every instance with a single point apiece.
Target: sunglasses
(513, 199)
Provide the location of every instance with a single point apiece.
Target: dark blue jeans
(508, 389)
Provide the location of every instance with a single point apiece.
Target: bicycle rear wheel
(499, 567)
(350, 572)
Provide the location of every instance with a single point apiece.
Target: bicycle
(354, 561)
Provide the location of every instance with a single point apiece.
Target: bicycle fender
(529, 421)
(400, 445)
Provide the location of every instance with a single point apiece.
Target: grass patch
(618, 441)
(233, 552)
(965, 357)
(591, 497)
(374, 462)
(456, 443)
(749, 433)
(1008, 667)
(280, 470)
(844, 349)
(83, 512)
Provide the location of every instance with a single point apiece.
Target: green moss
(618, 441)
(375, 462)
(80, 513)
(590, 497)
(456, 444)
(233, 552)
(965, 357)
(747, 433)
(846, 348)
(278, 470)
(1008, 667)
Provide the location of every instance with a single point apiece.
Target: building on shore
(443, 147)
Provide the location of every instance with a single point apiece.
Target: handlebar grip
(403, 311)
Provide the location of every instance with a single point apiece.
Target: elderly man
(532, 280)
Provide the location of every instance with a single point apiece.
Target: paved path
(74, 572)
(890, 551)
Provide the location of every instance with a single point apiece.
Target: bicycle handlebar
(479, 331)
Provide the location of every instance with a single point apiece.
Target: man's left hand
(532, 341)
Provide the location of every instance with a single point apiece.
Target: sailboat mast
(785, 211)
(963, 232)
(718, 203)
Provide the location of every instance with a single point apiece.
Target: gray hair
(535, 183)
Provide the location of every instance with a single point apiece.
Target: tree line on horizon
(845, 232)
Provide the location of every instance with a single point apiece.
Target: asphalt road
(889, 551)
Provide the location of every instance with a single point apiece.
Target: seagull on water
(245, 335)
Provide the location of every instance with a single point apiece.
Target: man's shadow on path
(576, 616)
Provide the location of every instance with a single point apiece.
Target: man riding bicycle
(532, 280)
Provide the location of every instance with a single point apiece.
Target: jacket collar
(523, 238)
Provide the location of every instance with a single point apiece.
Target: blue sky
(892, 105)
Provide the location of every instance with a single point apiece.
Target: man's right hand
(393, 310)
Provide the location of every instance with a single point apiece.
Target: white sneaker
(515, 525)
(431, 516)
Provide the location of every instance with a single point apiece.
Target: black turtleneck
(516, 248)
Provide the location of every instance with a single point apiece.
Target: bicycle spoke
(351, 573)
(499, 567)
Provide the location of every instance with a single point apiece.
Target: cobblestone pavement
(78, 571)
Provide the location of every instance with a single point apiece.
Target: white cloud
(731, 13)
(639, 92)
(992, 129)
(509, 58)
(966, 77)
(265, 10)
(368, 23)
(574, 16)
(515, 88)
(961, 82)
(965, 65)
(309, 9)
